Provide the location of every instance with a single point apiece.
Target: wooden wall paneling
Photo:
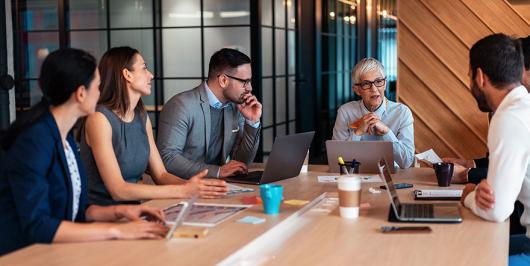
(499, 16)
(459, 19)
(443, 84)
(438, 117)
(425, 139)
(431, 31)
(523, 10)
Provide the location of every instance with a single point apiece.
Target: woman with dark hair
(117, 142)
(43, 191)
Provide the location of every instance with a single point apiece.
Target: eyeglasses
(245, 82)
(366, 84)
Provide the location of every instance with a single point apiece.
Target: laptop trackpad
(446, 211)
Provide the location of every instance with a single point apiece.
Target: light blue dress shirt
(215, 103)
(396, 116)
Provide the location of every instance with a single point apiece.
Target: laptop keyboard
(417, 211)
(253, 176)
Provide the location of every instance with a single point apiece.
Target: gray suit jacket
(184, 134)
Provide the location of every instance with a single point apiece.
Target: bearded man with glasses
(215, 126)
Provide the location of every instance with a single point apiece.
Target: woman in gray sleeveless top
(117, 143)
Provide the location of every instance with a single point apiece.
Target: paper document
(233, 189)
(365, 178)
(429, 156)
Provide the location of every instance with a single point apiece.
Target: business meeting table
(299, 235)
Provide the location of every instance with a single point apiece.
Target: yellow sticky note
(295, 202)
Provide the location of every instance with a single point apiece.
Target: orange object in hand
(355, 124)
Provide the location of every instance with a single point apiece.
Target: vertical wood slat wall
(434, 38)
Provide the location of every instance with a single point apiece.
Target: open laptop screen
(387, 178)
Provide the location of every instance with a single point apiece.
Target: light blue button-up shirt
(396, 116)
(215, 103)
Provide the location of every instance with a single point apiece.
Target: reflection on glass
(94, 42)
(87, 14)
(329, 16)
(40, 15)
(182, 58)
(266, 93)
(35, 93)
(142, 40)
(279, 13)
(268, 139)
(292, 127)
(266, 12)
(291, 16)
(131, 13)
(340, 87)
(216, 38)
(281, 97)
(173, 87)
(181, 13)
(292, 98)
(329, 52)
(39, 45)
(292, 52)
(281, 130)
(280, 52)
(266, 51)
(226, 12)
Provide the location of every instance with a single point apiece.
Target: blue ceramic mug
(272, 196)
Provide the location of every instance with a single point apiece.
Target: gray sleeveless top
(131, 147)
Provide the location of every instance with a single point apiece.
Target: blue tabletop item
(272, 196)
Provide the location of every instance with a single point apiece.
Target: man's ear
(223, 81)
(480, 78)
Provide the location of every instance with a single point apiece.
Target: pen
(227, 159)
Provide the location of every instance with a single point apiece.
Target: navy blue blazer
(35, 187)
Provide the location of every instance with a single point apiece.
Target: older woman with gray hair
(374, 117)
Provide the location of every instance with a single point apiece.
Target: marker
(343, 165)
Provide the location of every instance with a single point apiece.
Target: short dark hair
(525, 46)
(500, 58)
(224, 59)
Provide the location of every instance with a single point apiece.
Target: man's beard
(236, 100)
(480, 97)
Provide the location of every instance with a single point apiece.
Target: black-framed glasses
(245, 82)
(366, 84)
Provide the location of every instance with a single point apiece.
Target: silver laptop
(414, 212)
(367, 153)
(285, 160)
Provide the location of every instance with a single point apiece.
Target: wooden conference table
(299, 237)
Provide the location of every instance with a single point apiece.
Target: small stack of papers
(429, 156)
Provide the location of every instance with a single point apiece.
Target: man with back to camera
(215, 126)
(496, 66)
